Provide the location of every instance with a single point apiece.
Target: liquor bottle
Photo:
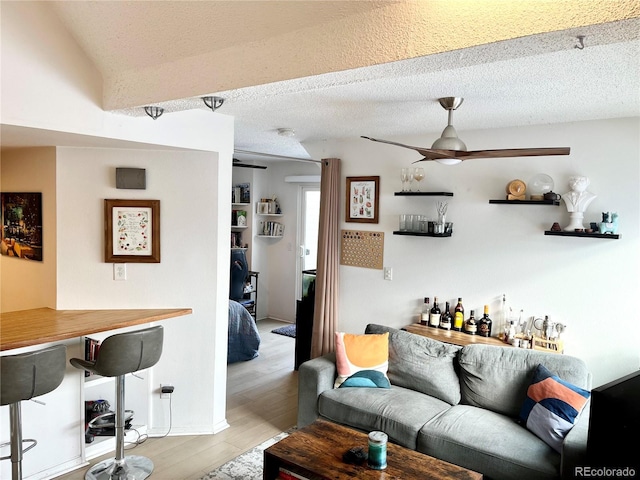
(434, 317)
(458, 316)
(471, 326)
(446, 319)
(485, 323)
(426, 311)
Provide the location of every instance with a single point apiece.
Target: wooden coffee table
(315, 452)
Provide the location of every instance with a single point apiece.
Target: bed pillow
(552, 406)
(355, 353)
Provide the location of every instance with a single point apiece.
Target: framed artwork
(363, 195)
(263, 208)
(132, 231)
(22, 225)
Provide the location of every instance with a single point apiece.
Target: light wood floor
(261, 402)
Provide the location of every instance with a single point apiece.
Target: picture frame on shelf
(132, 231)
(262, 208)
(362, 201)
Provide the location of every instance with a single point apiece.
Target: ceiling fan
(450, 150)
(238, 163)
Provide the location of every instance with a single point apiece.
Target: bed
(244, 339)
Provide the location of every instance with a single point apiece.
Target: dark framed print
(132, 231)
(362, 202)
(22, 225)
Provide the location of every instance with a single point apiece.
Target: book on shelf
(236, 240)
(91, 348)
(273, 229)
(287, 474)
(241, 193)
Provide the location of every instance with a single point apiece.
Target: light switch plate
(119, 271)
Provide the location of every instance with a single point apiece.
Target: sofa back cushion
(421, 364)
(497, 378)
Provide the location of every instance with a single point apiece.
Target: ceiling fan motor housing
(449, 140)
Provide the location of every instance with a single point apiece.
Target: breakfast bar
(67, 446)
(25, 328)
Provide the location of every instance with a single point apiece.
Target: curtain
(325, 318)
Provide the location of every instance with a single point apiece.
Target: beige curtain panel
(325, 318)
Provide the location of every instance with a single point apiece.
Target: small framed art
(132, 231)
(362, 203)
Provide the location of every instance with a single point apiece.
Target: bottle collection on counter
(437, 318)
(509, 327)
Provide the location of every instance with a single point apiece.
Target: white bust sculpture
(577, 201)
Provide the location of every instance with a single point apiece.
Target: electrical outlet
(166, 389)
(388, 273)
(119, 271)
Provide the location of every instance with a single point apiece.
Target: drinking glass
(418, 174)
(404, 177)
(410, 173)
(403, 222)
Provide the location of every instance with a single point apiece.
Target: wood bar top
(26, 328)
(452, 336)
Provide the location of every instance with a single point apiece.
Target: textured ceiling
(533, 79)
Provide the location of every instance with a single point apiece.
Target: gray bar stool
(118, 355)
(24, 376)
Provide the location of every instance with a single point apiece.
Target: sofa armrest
(314, 377)
(574, 447)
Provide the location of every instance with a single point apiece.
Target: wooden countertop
(452, 336)
(26, 328)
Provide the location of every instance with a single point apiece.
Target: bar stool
(118, 355)
(24, 376)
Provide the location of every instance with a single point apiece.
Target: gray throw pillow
(421, 364)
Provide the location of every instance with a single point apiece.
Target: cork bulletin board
(362, 249)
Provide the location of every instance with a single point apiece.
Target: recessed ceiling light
(286, 132)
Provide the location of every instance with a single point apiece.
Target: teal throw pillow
(367, 379)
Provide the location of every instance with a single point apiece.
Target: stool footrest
(32, 441)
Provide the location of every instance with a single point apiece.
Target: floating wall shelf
(610, 236)
(526, 202)
(423, 194)
(422, 234)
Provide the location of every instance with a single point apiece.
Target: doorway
(309, 221)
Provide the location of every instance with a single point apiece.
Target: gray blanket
(244, 339)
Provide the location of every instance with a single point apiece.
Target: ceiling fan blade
(512, 152)
(428, 153)
(238, 163)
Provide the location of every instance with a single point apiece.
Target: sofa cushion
(497, 377)
(552, 407)
(398, 412)
(421, 364)
(355, 353)
(488, 442)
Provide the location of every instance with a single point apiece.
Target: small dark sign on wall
(22, 225)
(131, 178)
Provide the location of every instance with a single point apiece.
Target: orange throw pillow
(355, 353)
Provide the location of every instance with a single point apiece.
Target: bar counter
(26, 328)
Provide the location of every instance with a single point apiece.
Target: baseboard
(276, 319)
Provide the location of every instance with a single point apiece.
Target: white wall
(589, 284)
(185, 277)
(27, 284)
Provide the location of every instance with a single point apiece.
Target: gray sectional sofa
(458, 404)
